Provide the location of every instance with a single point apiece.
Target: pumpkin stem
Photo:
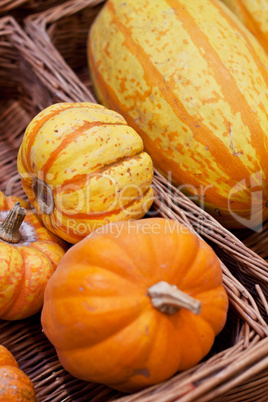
(9, 229)
(44, 196)
(169, 299)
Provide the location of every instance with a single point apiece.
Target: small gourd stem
(9, 229)
(169, 299)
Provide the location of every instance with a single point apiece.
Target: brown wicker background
(49, 66)
(20, 9)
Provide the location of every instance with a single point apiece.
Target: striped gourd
(193, 82)
(82, 166)
(254, 15)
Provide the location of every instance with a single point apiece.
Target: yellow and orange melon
(193, 82)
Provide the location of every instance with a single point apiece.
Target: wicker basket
(36, 71)
(21, 8)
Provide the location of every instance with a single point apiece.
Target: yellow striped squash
(82, 166)
(193, 82)
(254, 15)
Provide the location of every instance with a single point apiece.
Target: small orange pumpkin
(14, 383)
(134, 302)
(29, 254)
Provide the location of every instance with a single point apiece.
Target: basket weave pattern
(23, 6)
(49, 65)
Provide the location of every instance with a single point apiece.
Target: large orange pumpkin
(82, 166)
(134, 302)
(193, 82)
(29, 254)
(15, 385)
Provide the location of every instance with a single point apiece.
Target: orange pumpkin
(29, 254)
(134, 302)
(14, 383)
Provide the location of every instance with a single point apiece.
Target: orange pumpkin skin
(14, 383)
(106, 330)
(26, 266)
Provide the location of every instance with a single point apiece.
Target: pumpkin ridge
(198, 293)
(177, 106)
(32, 219)
(54, 223)
(41, 251)
(124, 249)
(87, 126)
(154, 334)
(42, 120)
(125, 256)
(16, 288)
(187, 281)
(50, 220)
(195, 333)
(37, 286)
(66, 141)
(147, 350)
(16, 294)
(85, 176)
(35, 130)
(188, 268)
(61, 227)
(121, 325)
(93, 215)
(154, 248)
(111, 270)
